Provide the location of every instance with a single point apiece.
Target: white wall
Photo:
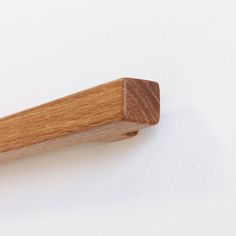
(175, 179)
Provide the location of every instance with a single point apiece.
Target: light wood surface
(109, 112)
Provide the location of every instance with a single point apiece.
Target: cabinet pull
(108, 112)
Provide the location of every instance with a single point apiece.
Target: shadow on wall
(179, 158)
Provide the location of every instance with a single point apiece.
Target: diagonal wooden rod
(107, 112)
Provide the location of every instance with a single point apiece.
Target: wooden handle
(108, 112)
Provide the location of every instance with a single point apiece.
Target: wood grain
(109, 112)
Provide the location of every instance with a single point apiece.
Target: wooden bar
(108, 112)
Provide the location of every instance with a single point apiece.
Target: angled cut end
(141, 101)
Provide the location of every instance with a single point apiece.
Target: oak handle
(108, 112)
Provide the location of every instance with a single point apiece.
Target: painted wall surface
(178, 178)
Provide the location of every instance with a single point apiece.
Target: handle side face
(75, 113)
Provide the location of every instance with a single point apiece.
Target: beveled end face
(141, 101)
